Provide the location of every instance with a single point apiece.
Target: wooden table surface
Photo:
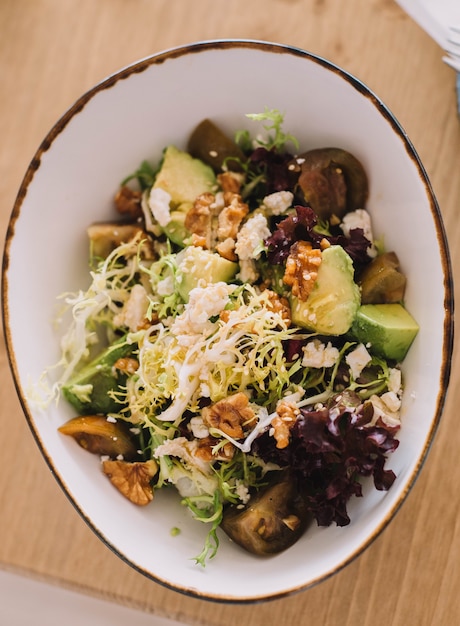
(51, 51)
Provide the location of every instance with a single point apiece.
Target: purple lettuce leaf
(301, 226)
(278, 176)
(331, 449)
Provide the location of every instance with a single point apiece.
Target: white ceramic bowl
(131, 116)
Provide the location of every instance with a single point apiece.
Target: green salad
(241, 337)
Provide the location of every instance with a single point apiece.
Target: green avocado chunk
(88, 390)
(197, 266)
(184, 178)
(335, 298)
(175, 229)
(389, 329)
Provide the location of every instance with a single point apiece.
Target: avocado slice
(335, 298)
(175, 229)
(389, 329)
(184, 178)
(88, 390)
(196, 265)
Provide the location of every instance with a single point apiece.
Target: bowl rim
(448, 327)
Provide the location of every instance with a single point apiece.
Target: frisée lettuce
(217, 333)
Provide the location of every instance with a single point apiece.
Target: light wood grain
(51, 51)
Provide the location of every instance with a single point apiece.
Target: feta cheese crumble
(159, 200)
(198, 427)
(359, 219)
(317, 355)
(134, 310)
(278, 202)
(251, 236)
(248, 246)
(204, 303)
(386, 409)
(357, 360)
(395, 380)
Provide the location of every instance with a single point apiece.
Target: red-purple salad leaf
(301, 226)
(296, 227)
(278, 176)
(330, 450)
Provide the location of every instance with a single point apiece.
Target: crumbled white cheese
(384, 410)
(205, 391)
(251, 236)
(198, 427)
(357, 360)
(248, 272)
(159, 200)
(359, 219)
(317, 355)
(278, 202)
(242, 492)
(392, 401)
(165, 287)
(204, 302)
(395, 380)
(134, 310)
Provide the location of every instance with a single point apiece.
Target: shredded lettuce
(227, 339)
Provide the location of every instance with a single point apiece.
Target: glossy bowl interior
(132, 116)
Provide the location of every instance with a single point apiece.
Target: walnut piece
(206, 449)
(231, 216)
(282, 423)
(133, 480)
(127, 365)
(230, 181)
(128, 202)
(199, 241)
(198, 219)
(302, 269)
(232, 416)
(226, 249)
(279, 304)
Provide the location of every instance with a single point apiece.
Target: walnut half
(302, 268)
(133, 480)
(282, 423)
(232, 415)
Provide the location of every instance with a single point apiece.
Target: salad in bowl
(241, 337)
(242, 314)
